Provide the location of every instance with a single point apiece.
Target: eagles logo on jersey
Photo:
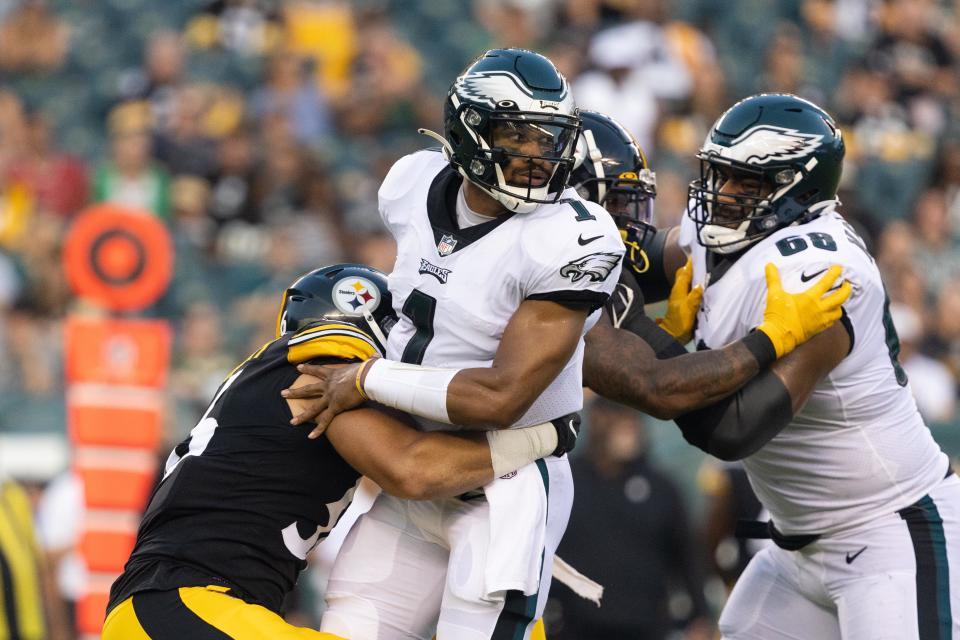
(258, 494)
(784, 153)
(595, 266)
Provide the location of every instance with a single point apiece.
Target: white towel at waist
(518, 518)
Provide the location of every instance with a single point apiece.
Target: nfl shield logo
(446, 245)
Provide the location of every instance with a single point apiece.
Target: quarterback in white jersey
(500, 271)
(864, 509)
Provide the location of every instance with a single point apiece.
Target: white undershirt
(467, 217)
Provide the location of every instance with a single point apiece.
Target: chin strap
(447, 148)
(375, 328)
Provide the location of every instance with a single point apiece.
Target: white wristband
(411, 388)
(511, 449)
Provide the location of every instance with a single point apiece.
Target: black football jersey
(247, 495)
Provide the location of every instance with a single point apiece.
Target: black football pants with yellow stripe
(199, 613)
(206, 613)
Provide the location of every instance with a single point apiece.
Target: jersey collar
(442, 211)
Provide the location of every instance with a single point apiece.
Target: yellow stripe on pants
(232, 616)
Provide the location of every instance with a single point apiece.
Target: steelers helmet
(508, 104)
(353, 294)
(787, 151)
(612, 170)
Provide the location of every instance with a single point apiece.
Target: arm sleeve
(740, 424)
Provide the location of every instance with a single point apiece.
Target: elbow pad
(740, 424)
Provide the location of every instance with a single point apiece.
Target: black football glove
(568, 429)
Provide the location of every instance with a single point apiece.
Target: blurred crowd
(259, 130)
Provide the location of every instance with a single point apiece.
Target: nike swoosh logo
(807, 278)
(588, 240)
(851, 558)
(572, 430)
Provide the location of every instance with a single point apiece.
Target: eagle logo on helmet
(765, 144)
(491, 87)
(596, 266)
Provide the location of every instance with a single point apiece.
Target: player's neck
(481, 202)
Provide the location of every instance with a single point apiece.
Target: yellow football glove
(793, 318)
(682, 305)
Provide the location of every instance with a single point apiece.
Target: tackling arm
(383, 445)
(623, 367)
(539, 340)
(408, 463)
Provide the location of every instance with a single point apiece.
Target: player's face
(629, 200)
(737, 193)
(525, 140)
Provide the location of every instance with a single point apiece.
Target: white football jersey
(858, 448)
(455, 290)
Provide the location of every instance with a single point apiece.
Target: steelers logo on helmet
(352, 295)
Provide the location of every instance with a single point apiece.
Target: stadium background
(258, 132)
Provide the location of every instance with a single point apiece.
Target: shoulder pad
(330, 340)
(407, 171)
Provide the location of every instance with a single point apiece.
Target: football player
(612, 170)
(865, 510)
(247, 496)
(500, 271)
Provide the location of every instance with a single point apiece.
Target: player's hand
(335, 392)
(682, 305)
(568, 430)
(793, 318)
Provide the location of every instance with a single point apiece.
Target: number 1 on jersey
(419, 309)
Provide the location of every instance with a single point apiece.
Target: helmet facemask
(628, 198)
(522, 159)
(729, 222)
(615, 176)
(771, 161)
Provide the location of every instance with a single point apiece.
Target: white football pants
(406, 567)
(896, 578)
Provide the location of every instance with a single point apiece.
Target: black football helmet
(611, 170)
(789, 154)
(353, 294)
(507, 104)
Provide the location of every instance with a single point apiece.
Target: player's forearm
(439, 465)
(408, 463)
(478, 398)
(625, 369)
(490, 398)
